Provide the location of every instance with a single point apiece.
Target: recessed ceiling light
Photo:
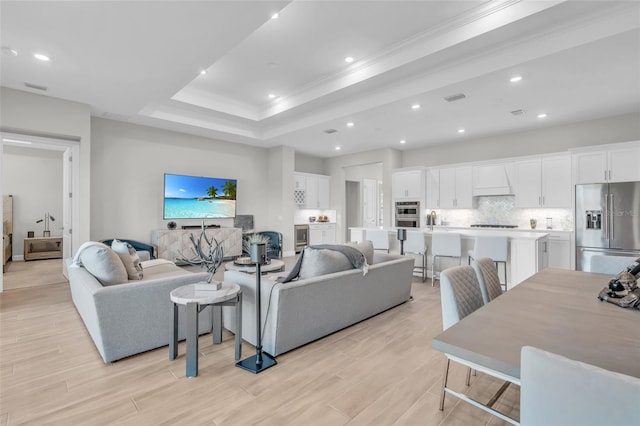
(41, 57)
(203, 72)
(275, 15)
(403, 141)
(9, 51)
(272, 96)
(543, 115)
(415, 106)
(350, 124)
(338, 148)
(461, 130)
(348, 59)
(515, 78)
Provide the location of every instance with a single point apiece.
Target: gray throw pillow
(129, 258)
(366, 248)
(321, 262)
(104, 264)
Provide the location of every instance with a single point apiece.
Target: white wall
(128, 163)
(34, 178)
(28, 113)
(309, 164)
(280, 200)
(621, 128)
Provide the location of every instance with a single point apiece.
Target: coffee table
(274, 265)
(195, 301)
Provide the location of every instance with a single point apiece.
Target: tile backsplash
(501, 209)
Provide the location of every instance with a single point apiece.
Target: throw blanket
(354, 255)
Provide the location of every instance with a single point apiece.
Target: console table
(173, 243)
(43, 248)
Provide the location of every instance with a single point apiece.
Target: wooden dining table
(556, 310)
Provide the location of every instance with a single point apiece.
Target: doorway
(353, 205)
(69, 217)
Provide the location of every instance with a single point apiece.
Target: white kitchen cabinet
(619, 163)
(559, 246)
(322, 233)
(408, 185)
(456, 188)
(544, 182)
(527, 257)
(433, 188)
(311, 191)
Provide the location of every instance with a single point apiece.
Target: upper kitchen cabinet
(311, 191)
(408, 184)
(544, 182)
(455, 188)
(609, 163)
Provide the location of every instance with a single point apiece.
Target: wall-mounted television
(198, 197)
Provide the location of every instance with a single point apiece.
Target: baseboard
(17, 258)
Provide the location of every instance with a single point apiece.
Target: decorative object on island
(623, 288)
(206, 253)
(261, 361)
(47, 217)
(402, 236)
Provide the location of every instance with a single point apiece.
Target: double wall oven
(407, 214)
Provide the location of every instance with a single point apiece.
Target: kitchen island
(528, 250)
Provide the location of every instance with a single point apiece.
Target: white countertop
(473, 232)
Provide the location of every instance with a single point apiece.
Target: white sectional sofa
(301, 311)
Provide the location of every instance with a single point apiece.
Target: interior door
(67, 208)
(370, 203)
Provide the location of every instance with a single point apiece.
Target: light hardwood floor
(381, 371)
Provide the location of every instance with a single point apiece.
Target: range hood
(492, 179)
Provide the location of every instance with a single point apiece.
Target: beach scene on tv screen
(194, 197)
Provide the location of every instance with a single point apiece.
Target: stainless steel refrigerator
(607, 221)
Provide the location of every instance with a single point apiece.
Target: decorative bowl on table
(243, 261)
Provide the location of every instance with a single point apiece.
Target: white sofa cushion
(103, 263)
(366, 247)
(129, 258)
(321, 262)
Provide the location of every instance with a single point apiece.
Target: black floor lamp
(260, 361)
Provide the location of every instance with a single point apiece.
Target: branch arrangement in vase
(206, 253)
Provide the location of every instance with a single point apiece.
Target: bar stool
(415, 244)
(379, 238)
(444, 244)
(495, 248)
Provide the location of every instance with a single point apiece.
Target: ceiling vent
(455, 97)
(517, 112)
(329, 131)
(35, 86)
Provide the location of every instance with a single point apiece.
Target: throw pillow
(104, 264)
(320, 262)
(366, 247)
(129, 258)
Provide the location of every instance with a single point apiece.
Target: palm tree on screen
(212, 192)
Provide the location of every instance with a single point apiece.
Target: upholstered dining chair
(460, 296)
(379, 238)
(611, 265)
(560, 391)
(494, 247)
(487, 278)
